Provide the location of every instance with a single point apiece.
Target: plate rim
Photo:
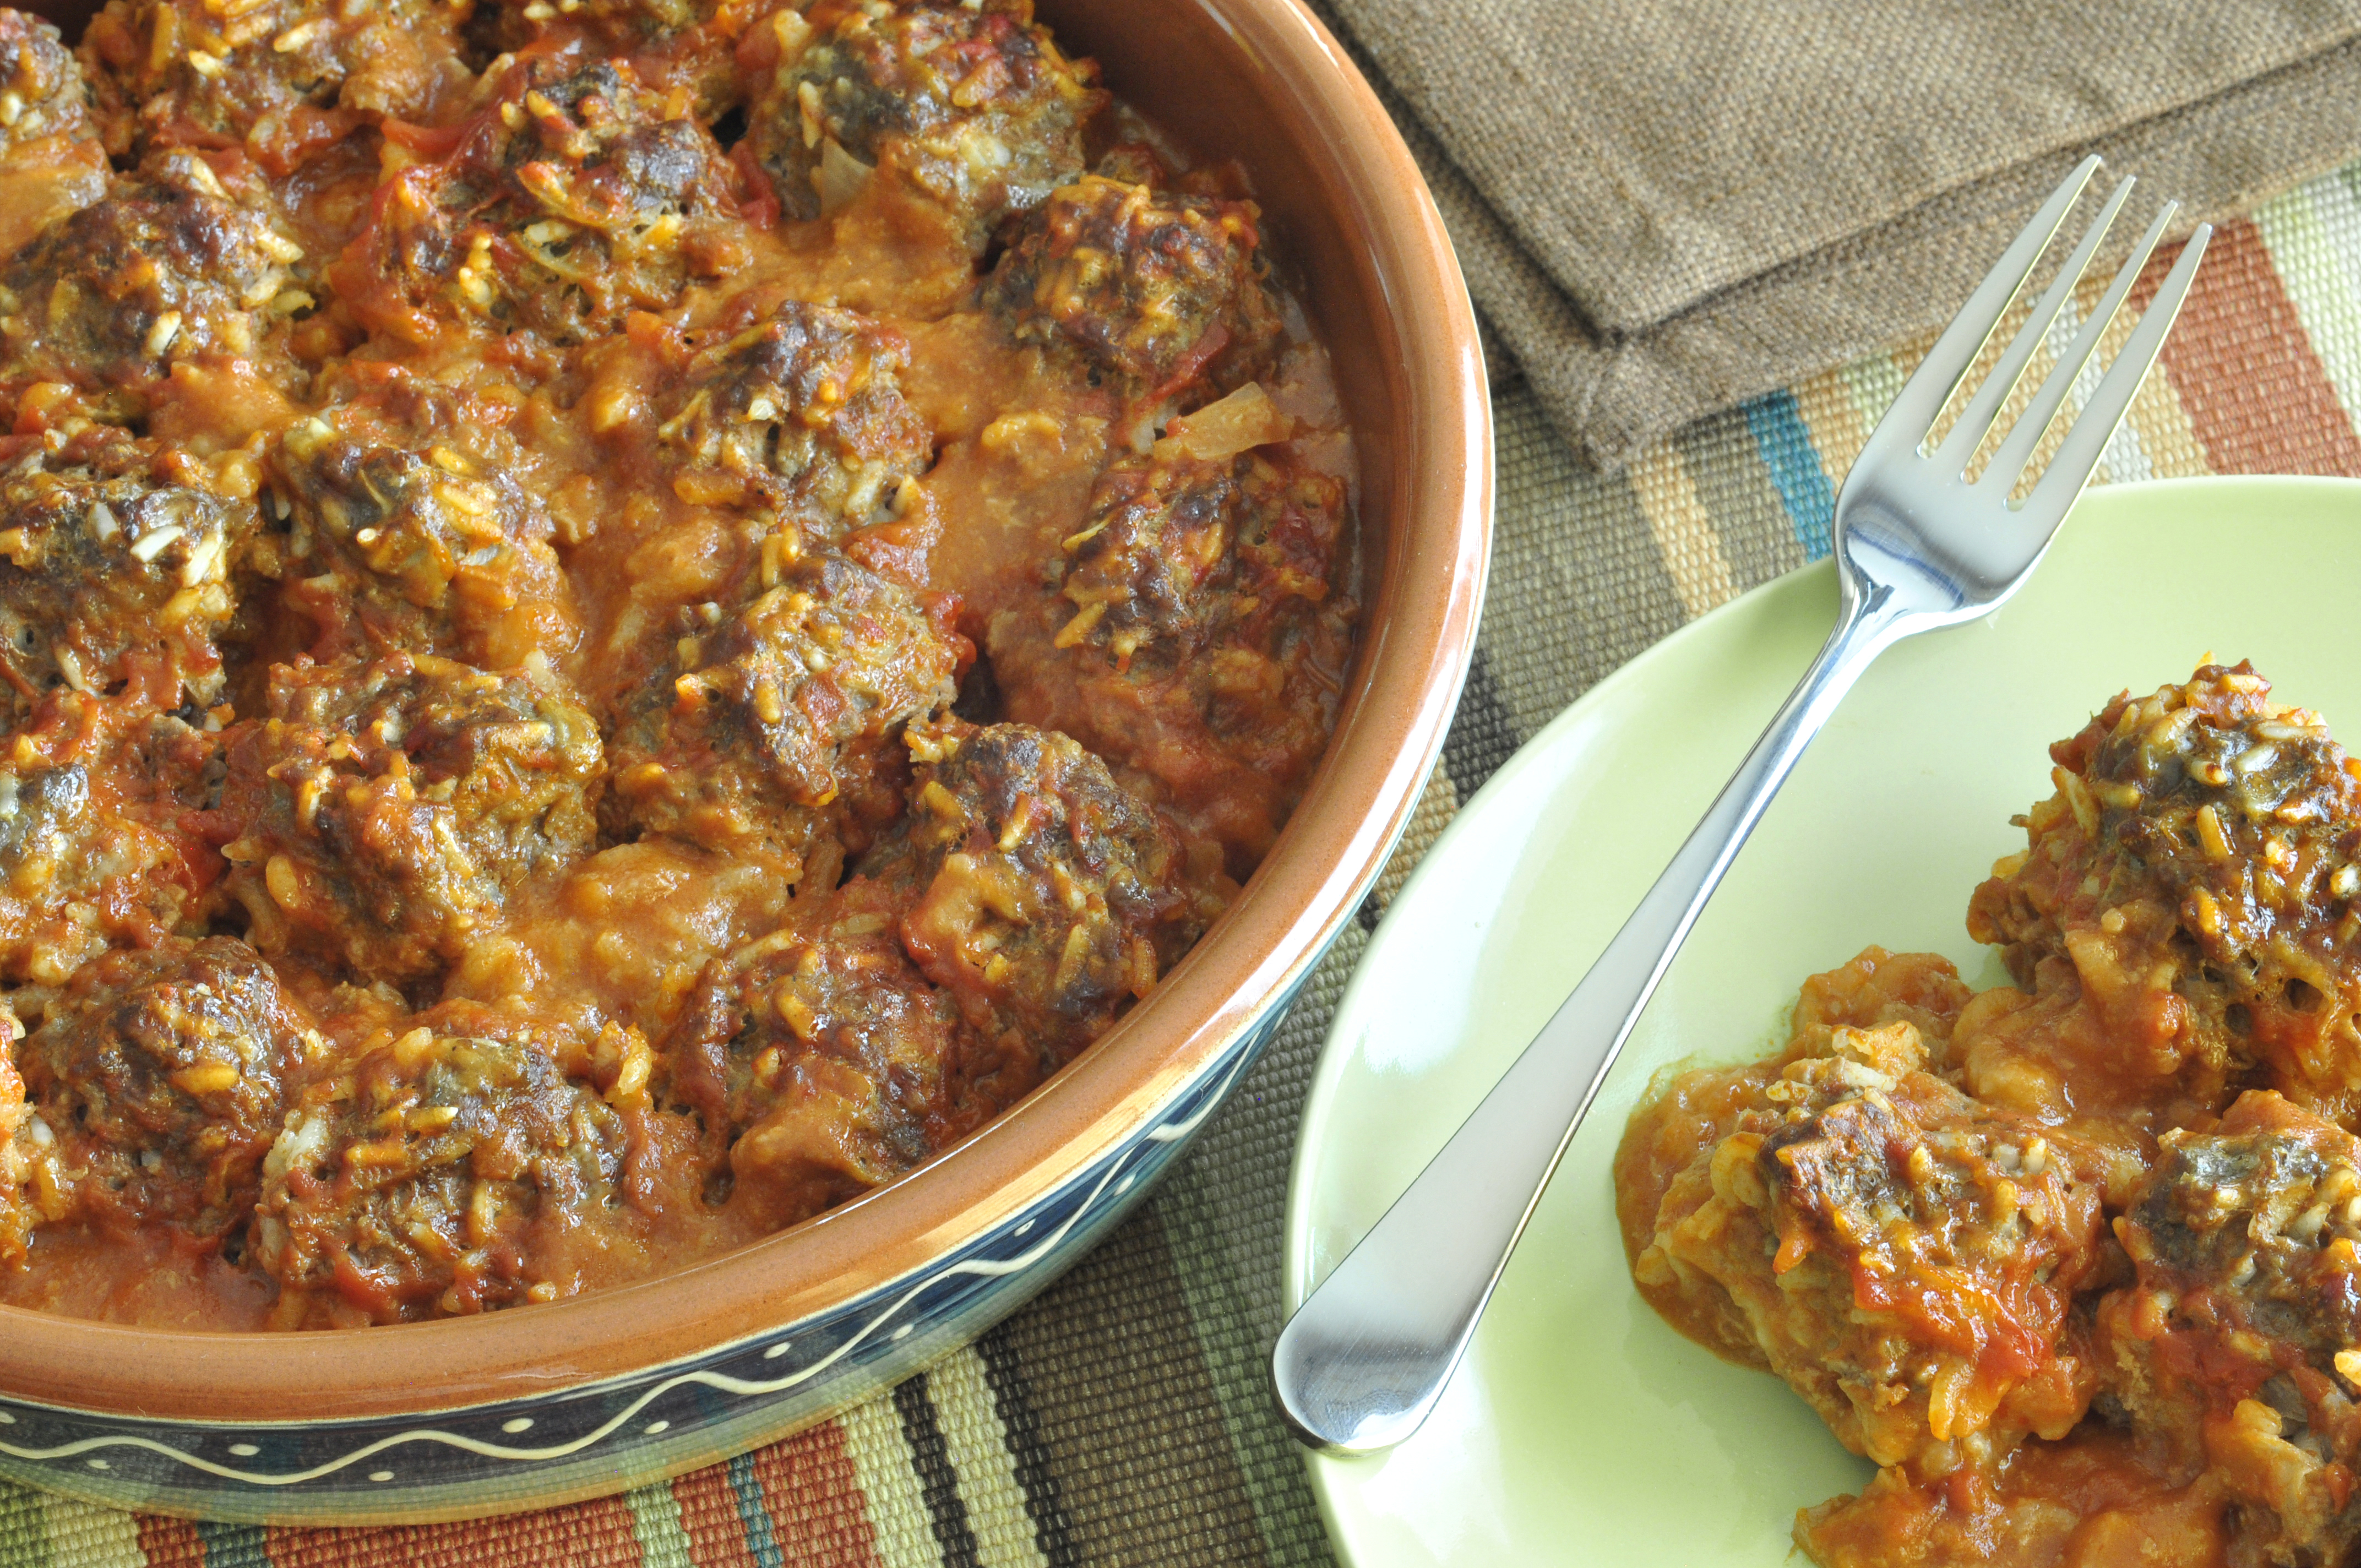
(1325, 1473)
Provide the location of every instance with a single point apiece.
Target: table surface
(1122, 1417)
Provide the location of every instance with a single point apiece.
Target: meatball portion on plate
(160, 1075)
(759, 716)
(411, 531)
(112, 581)
(572, 200)
(177, 262)
(1161, 290)
(801, 414)
(1044, 898)
(1194, 635)
(2195, 882)
(282, 79)
(386, 811)
(435, 1175)
(1906, 1260)
(2237, 1354)
(972, 104)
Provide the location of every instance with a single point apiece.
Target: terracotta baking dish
(527, 1408)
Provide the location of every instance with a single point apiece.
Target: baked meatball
(112, 581)
(101, 843)
(2193, 882)
(823, 1059)
(1161, 290)
(386, 811)
(161, 1075)
(1043, 897)
(1193, 635)
(176, 263)
(50, 158)
(691, 44)
(282, 79)
(570, 202)
(761, 715)
(432, 1176)
(1904, 1259)
(2238, 1351)
(410, 532)
(971, 105)
(800, 414)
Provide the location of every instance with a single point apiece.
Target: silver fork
(1917, 546)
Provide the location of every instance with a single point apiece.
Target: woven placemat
(1122, 1417)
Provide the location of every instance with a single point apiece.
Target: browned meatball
(162, 1076)
(971, 103)
(177, 263)
(1044, 898)
(570, 202)
(801, 414)
(283, 79)
(1904, 1259)
(51, 161)
(410, 532)
(2197, 881)
(690, 44)
(386, 811)
(2228, 1350)
(112, 581)
(1160, 289)
(758, 715)
(823, 1059)
(433, 1176)
(1193, 635)
(99, 842)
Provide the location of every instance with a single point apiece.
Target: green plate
(1582, 1430)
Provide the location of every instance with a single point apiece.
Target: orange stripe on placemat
(2247, 377)
(170, 1543)
(596, 1534)
(818, 1513)
(709, 1512)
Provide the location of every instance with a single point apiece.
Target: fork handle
(1365, 1357)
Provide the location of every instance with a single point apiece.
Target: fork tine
(1939, 375)
(2078, 455)
(1951, 457)
(2015, 453)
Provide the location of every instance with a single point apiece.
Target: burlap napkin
(1667, 206)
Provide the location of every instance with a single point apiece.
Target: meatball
(51, 158)
(690, 44)
(2236, 1350)
(162, 1076)
(571, 201)
(759, 716)
(971, 105)
(112, 581)
(803, 415)
(1192, 635)
(1043, 897)
(99, 840)
(385, 812)
(823, 1058)
(1902, 1258)
(2193, 882)
(1160, 289)
(283, 79)
(176, 263)
(410, 532)
(434, 1175)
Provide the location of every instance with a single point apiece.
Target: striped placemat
(1121, 1418)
